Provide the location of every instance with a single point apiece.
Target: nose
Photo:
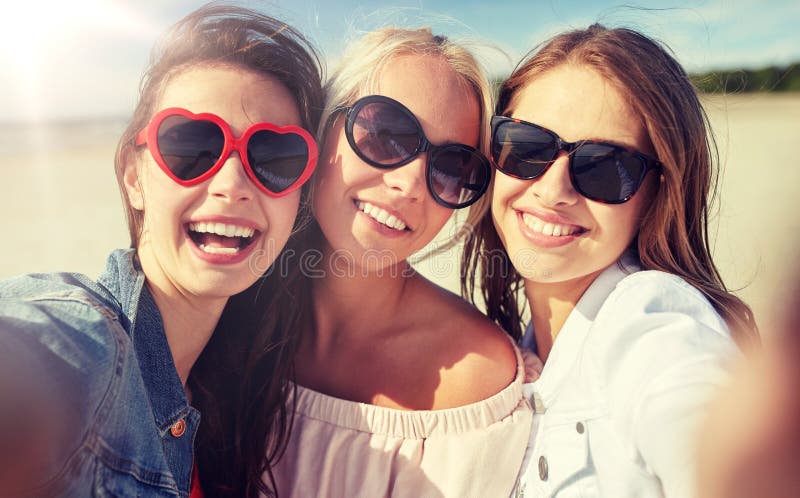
(231, 182)
(408, 180)
(554, 187)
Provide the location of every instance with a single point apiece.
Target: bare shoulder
(478, 358)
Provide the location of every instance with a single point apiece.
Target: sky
(83, 59)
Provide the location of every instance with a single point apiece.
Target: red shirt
(196, 491)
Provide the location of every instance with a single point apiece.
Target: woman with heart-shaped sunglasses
(114, 375)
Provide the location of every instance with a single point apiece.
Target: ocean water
(61, 206)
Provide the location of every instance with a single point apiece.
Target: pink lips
(547, 241)
(224, 259)
(380, 227)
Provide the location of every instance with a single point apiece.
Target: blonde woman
(402, 388)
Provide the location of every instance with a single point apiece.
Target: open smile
(549, 228)
(217, 238)
(381, 216)
(547, 232)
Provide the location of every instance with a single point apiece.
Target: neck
(348, 303)
(188, 320)
(550, 304)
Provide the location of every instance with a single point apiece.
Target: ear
(130, 180)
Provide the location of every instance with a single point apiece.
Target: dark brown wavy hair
(674, 232)
(245, 421)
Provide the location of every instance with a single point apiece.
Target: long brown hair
(244, 428)
(674, 232)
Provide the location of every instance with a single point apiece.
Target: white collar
(570, 340)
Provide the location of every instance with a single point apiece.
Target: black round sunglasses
(385, 134)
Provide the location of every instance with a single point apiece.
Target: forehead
(442, 100)
(578, 103)
(238, 95)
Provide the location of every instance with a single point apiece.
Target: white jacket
(624, 388)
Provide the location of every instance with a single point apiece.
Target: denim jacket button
(178, 428)
(542, 468)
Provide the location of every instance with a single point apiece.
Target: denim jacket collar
(125, 280)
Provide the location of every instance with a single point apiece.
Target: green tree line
(768, 79)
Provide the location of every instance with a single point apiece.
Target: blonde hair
(363, 62)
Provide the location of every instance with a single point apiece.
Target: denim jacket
(96, 352)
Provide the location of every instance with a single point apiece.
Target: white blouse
(619, 401)
(341, 448)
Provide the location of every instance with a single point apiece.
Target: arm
(667, 422)
(669, 354)
(31, 407)
(54, 364)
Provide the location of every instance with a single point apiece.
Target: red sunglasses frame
(149, 136)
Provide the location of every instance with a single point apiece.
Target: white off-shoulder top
(341, 448)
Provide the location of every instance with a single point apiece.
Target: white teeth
(381, 215)
(551, 229)
(219, 250)
(224, 229)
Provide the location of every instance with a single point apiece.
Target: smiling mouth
(381, 216)
(221, 238)
(550, 229)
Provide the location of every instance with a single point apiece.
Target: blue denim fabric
(96, 355)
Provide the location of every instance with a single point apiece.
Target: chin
(223, 286)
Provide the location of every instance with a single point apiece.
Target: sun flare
(35, 36)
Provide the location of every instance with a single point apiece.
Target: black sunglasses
(385, 134)
(599, 171)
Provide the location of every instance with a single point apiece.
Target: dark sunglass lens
(384, 134)
(458, 175)
(606, 173)
(189, 147)
(277, 160)
(522, 150)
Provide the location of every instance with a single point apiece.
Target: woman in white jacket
(599, 214)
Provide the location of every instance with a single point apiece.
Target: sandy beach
(61, 207)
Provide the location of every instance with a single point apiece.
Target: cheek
(281, 214)
(438, 217)
(161, 198)
(356, 173)
(339, 177)
(619, 222)
(339, 167)
(504, 191)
